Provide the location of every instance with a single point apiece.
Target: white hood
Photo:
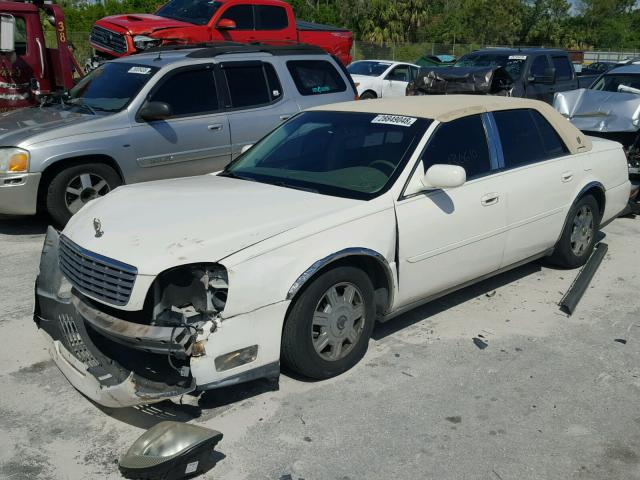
(157, 225)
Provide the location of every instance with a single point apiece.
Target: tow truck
(29, 69)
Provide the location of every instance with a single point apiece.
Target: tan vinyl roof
(445, 108)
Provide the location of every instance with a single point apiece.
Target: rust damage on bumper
(84, 343)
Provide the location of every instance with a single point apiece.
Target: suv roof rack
(213, 49)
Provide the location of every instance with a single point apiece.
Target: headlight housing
(14, 160)
(142, 42)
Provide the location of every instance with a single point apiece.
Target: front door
(396, 81)
(450, 236)
(195, 139)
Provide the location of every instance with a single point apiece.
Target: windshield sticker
(275, 93)
(320, 89)
(394, 120)
(139, 70)
(517, 57)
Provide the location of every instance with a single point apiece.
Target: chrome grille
(100, 277)
(102, 37)
(74, 341)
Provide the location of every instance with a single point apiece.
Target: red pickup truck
(197, 21)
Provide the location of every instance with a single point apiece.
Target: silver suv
(169, 113)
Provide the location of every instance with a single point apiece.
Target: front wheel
(329, 325)
(73, 187)
(579, 235)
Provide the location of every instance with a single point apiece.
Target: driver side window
(460, 142)
(400, 74)
(188, 92)
(242, 15)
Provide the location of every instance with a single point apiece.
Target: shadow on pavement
(23, 225)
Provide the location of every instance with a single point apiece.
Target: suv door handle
(490, 199)
(566, 177)
(285, 117)
(216, 127)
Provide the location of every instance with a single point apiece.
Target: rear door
(565, 76)
(195, 140)
(255, 101)
(539, 176)
(538, 90)
(450, 236)
(396, 81)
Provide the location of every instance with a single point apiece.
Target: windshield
(370, 69)
(198, 12)
(111, 86)
(513, 64)
(347, 154)
(611, 82)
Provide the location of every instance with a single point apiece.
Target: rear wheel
(368, 95)
(73, 187)
(579, 235)
(328, 327)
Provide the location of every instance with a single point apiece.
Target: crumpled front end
(120, 358)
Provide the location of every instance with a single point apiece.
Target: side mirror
(226, 24)
(444, 176)
(7, 33)
(245, 148)
(152, 111)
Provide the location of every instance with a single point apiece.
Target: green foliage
(590, 23)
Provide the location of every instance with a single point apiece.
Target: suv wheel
(368, 95)
(73, 187)
(328, 327)
(579, 235)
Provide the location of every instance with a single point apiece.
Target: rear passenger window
(242, 15)
(526, 138)
(271, 18)
(251, 85)
(314, 77)
(460, 142)
(189, 92)
(563, 68)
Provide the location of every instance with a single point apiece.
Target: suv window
(313, 77)
(526, 138)
(460, 142)
(271, 18)
(251, 85)
(189, 92)
(242, 15)
(563, 68)
(401, 74)
(539, 65)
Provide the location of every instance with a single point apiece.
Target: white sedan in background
(381, 78)
(345, 215)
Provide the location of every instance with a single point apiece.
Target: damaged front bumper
(120, 363)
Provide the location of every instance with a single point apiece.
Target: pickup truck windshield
(627, 82)
(198, 12)
(111, 87)
(370, 69)
(346, 154)
(513, 64)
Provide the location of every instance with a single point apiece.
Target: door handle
(216, 127)
(566, 177)
(285, 117)
(490, 199)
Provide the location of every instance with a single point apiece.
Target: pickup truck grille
(101, 37)
(100, 277)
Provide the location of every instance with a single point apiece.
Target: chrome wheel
(582, 230)
(338, 321)
(84, 188)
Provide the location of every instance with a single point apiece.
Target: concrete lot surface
(550, 397)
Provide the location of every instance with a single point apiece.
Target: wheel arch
(371, 262)
(372, 91)
(594, 188)
(59, 165)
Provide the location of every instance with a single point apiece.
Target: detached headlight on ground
(171, 450)
(14, 160)
(142, 42)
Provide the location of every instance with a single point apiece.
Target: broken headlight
(190, 294)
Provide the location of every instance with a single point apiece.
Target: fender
(347, 252)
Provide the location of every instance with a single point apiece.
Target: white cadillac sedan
(344, 215)
(381, 78)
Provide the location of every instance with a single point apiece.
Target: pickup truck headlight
(14, 160)
(142, 42)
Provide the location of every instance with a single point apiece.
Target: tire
(579, 235)
(71, 188)
(349, 325)
(368, 95)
